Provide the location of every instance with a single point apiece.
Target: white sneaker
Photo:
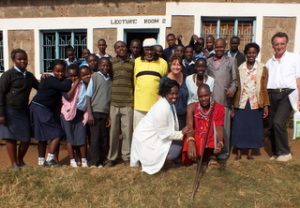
(41, 161)
(273, 157)
(73, 164)
(284, 158)
(84, 165)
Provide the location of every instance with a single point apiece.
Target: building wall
(22, 39)
(110, 35)
(182, 25)
(80, 8)
(271, 26)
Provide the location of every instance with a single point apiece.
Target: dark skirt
(247, 128)
(45, 124)
(17, 125)
(75, 131)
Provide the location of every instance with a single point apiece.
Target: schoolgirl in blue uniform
(74, 115)
(15, 86)
(45, 112)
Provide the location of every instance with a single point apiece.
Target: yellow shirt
(147, 77)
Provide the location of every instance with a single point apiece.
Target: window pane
(80, 41)
(209, 28)
(64, 41)
(245, 32)
(227, 30)
(1, 53)
(48, 50)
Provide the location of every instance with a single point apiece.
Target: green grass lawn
(241, 184)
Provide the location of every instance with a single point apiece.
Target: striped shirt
(122, 83)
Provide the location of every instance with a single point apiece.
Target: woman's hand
(186, 130)
(192, 152)
(46, 75)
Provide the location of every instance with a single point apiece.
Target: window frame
(58, 46)
(236, 21)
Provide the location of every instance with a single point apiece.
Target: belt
(280, 90)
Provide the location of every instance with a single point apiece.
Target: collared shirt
(68, 62)
(105, 55)
(199, 55)
(185, 63)
(89, 90)
(19, 70)
(189, 67)
(122, 83)
(283, 72)
(231, 55)
(81, 99)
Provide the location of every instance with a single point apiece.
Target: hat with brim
(149, 42)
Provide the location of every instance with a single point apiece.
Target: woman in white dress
(152, 138)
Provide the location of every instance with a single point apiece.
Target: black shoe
(110, 163)
(51, 163)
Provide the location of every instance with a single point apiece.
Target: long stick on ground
(199, 161)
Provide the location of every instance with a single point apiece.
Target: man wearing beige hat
(148, 70)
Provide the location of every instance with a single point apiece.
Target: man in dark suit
(234, 52)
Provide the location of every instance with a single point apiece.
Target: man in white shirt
(284, 77)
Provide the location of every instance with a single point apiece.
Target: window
(55, 44)
(1, 53)
(226, 27)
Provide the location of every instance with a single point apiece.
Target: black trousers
(280, 111)
(99, 139)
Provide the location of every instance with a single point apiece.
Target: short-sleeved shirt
(284, 72)
(147, 75)
(122, 83)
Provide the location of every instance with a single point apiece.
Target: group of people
(147, 105)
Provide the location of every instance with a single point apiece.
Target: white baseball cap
(149, 42)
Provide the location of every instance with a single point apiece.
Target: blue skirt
(44, 123)
(247, 128)
(17, 125)
(75, 131)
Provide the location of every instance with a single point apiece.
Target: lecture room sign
(136, 21)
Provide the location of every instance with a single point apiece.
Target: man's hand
(91, 120)
(228, 93)
(2, 120)
(108, 122)
(192, 152)
(266, 111)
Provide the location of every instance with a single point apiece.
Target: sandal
(213, 163)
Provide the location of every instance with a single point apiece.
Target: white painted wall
(257, 10)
